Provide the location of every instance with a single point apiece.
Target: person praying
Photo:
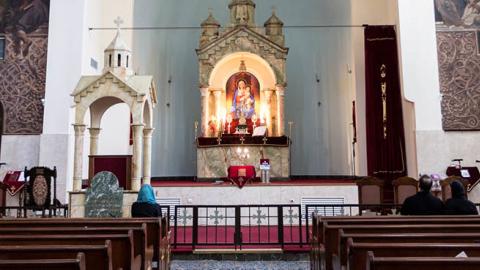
(423, 203)
(146, 205)
(459, 204)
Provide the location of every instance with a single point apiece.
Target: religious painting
(23, 60)
(458, 31)
(458, 13)
(243, 95)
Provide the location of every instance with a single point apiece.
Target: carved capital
(94, 132)
(79, 129)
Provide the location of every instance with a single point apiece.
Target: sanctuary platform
(191, 192)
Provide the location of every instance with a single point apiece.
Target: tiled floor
(238, 265)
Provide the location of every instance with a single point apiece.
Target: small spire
(274, 10)
(210, 19)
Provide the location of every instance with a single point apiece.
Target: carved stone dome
(273, 20)
(210, 21)
(241, 2)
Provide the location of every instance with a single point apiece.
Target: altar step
(246, 259)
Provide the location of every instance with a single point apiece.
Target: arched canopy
(100, 92)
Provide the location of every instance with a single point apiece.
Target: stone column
(94, 132)
(218, 102)
(147, 154)
(78, 156)
(267, 95)
(137, 156)
(280, 109)
(205, 93)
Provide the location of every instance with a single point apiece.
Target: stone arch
(99, 107)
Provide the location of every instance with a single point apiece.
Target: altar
(242, 80)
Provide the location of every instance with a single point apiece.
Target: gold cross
(242, 140)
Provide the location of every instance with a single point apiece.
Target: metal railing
(238, 226)
(26, 212)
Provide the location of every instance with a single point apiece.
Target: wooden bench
(358, 251)
(403, 238)
(96, 257)
(77, 263)
(122, 245)
(320, 222)
(139, 236)
(154, 231)
(332, 242)
(421, 263)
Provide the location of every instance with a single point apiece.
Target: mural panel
(458, 26)
(24, 27)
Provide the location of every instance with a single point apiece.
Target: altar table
(240, 175)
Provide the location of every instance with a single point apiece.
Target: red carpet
(253, 237)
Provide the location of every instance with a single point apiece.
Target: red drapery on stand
(385, 134)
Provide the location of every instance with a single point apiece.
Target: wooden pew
(358, 251)
(96, 257)
(77, 263)
(154, 236)
(122, 245)
(332, 241)
(421, 263)
(139, 236)
(402, 238)
(391, 220)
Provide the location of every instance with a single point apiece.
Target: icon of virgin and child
(243, 103)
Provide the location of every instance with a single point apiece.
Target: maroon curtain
(385, 136)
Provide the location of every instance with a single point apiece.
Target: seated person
(458, 204)
(423, 203)
(146, 206)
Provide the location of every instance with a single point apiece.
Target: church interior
(239, 134)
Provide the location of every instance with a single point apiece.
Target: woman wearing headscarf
(146, 205)
(458, 204)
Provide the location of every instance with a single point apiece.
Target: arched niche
(229, 65)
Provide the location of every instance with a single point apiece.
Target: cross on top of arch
(118, 21)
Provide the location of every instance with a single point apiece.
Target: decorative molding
(459, 68)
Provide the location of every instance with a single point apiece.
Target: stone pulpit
(242, 83)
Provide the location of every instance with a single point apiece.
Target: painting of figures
(243, 95)
(458, 13)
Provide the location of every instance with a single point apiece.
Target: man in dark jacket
(423, 203)
(458, 204)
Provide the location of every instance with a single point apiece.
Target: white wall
(435, 148)
(64, 67)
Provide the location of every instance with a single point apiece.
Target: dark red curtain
(385, 135)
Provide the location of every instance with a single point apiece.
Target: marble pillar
(280, 92)
(137, 156)
(147, 154)
(267, 95)
(218, 94)
(78, 156)
(94, 132)
(205, 93)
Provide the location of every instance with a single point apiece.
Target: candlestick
(196, 129)
(290, 123)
